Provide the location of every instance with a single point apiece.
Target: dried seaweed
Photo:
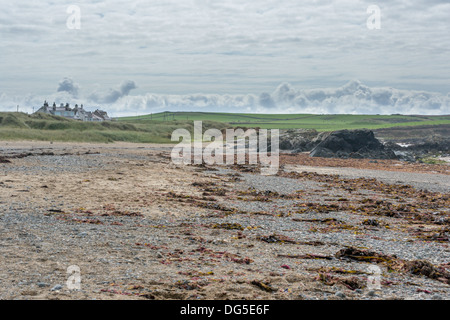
(416, 267)
(263, 285)
(305, 256)
(276, 238)
(352, 283)
(228, 226)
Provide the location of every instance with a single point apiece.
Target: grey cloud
(126, 87)
(285, 92)
(382, 97)
(265, 100)
(67, 85)
(114, 94)
(316, 95)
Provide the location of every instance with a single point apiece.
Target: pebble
(57, 287)
(372, 293)
(339, 294)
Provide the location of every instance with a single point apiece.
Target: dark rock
(299, 140)
(285, 145)
(4, 160)
(322, 152)
(430, 145)
(267, 148)
(405, 156)
(356, 144)
(42, 284)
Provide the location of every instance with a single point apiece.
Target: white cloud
(352, 98)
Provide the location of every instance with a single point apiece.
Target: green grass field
(158, 128)
(295, 121)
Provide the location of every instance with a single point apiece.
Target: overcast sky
(136, 57)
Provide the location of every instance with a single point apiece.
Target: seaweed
(371, 222)
(276, 238)
(263, 285)
(228, 226)
(305, 256)
(352, 283)
(415, 267)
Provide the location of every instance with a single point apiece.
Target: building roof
(74, 113)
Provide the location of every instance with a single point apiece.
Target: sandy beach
(136, 226)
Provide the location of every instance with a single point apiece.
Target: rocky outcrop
(357, 144)
(300, 140)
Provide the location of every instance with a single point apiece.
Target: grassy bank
(42, 127)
